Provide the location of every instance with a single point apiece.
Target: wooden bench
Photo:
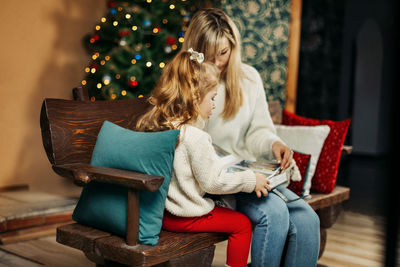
(69, 132)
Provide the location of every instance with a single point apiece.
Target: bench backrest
(70, 128)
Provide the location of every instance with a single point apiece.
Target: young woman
(184, 99)
(286, 234)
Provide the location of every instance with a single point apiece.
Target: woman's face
(207, 104)
(223, 53)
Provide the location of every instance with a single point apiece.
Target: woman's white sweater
(251, 133)
(198, 170)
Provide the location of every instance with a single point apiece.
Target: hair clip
(196, 55)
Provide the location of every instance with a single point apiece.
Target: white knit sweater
(197, 171)
(251, 133)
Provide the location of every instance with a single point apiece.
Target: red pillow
(302, 161)
(328, 163)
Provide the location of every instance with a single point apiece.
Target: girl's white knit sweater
(198, 170)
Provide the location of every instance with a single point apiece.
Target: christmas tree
(131, 44)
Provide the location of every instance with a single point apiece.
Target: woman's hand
(282, 153)
(262, 185)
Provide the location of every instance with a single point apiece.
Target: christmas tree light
(131, 44)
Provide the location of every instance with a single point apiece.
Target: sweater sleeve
(208, 169)
(261, 133)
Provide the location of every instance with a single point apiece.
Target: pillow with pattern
(302, 162)
(324, 179)
(306, 140)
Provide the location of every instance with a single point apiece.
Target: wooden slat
(170, 245)
(84, 173)
(70, 128)
(47, 252)
(339, 194)
(8, 259)
(22, 209)
(293, 55)
(30, 233)
(355, 240)
(115, 248)
(16, 187)
(275, 110)
(79, 236)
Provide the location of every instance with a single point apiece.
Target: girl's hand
(262, 185)
(282, 153)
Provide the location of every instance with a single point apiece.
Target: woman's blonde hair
(206, 30)
(182, 85)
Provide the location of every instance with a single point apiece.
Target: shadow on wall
(62, 71)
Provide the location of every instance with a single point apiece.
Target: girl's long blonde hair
(206, 30)
(182, 85)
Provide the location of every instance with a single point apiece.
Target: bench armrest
(85, 173)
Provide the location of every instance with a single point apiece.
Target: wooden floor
(354, 240)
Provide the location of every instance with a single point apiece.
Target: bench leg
(327, 217)
(201, 257)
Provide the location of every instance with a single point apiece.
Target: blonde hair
(181, 87)
(206, 30)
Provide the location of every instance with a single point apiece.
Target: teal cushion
(104, 206)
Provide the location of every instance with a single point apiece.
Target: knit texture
(251, 133)
(197, 170)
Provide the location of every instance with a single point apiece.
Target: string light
(149, 27)
(133, 83)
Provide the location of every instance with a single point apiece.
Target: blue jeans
(285, 234)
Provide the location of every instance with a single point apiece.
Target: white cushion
(306, 140)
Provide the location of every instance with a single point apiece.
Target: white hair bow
(196, 55)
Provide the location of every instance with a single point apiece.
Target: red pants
(221, 220)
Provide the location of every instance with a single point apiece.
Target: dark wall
(320, 58)
(346, 65)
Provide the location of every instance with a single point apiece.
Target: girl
(184, 99)
(242, 125)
